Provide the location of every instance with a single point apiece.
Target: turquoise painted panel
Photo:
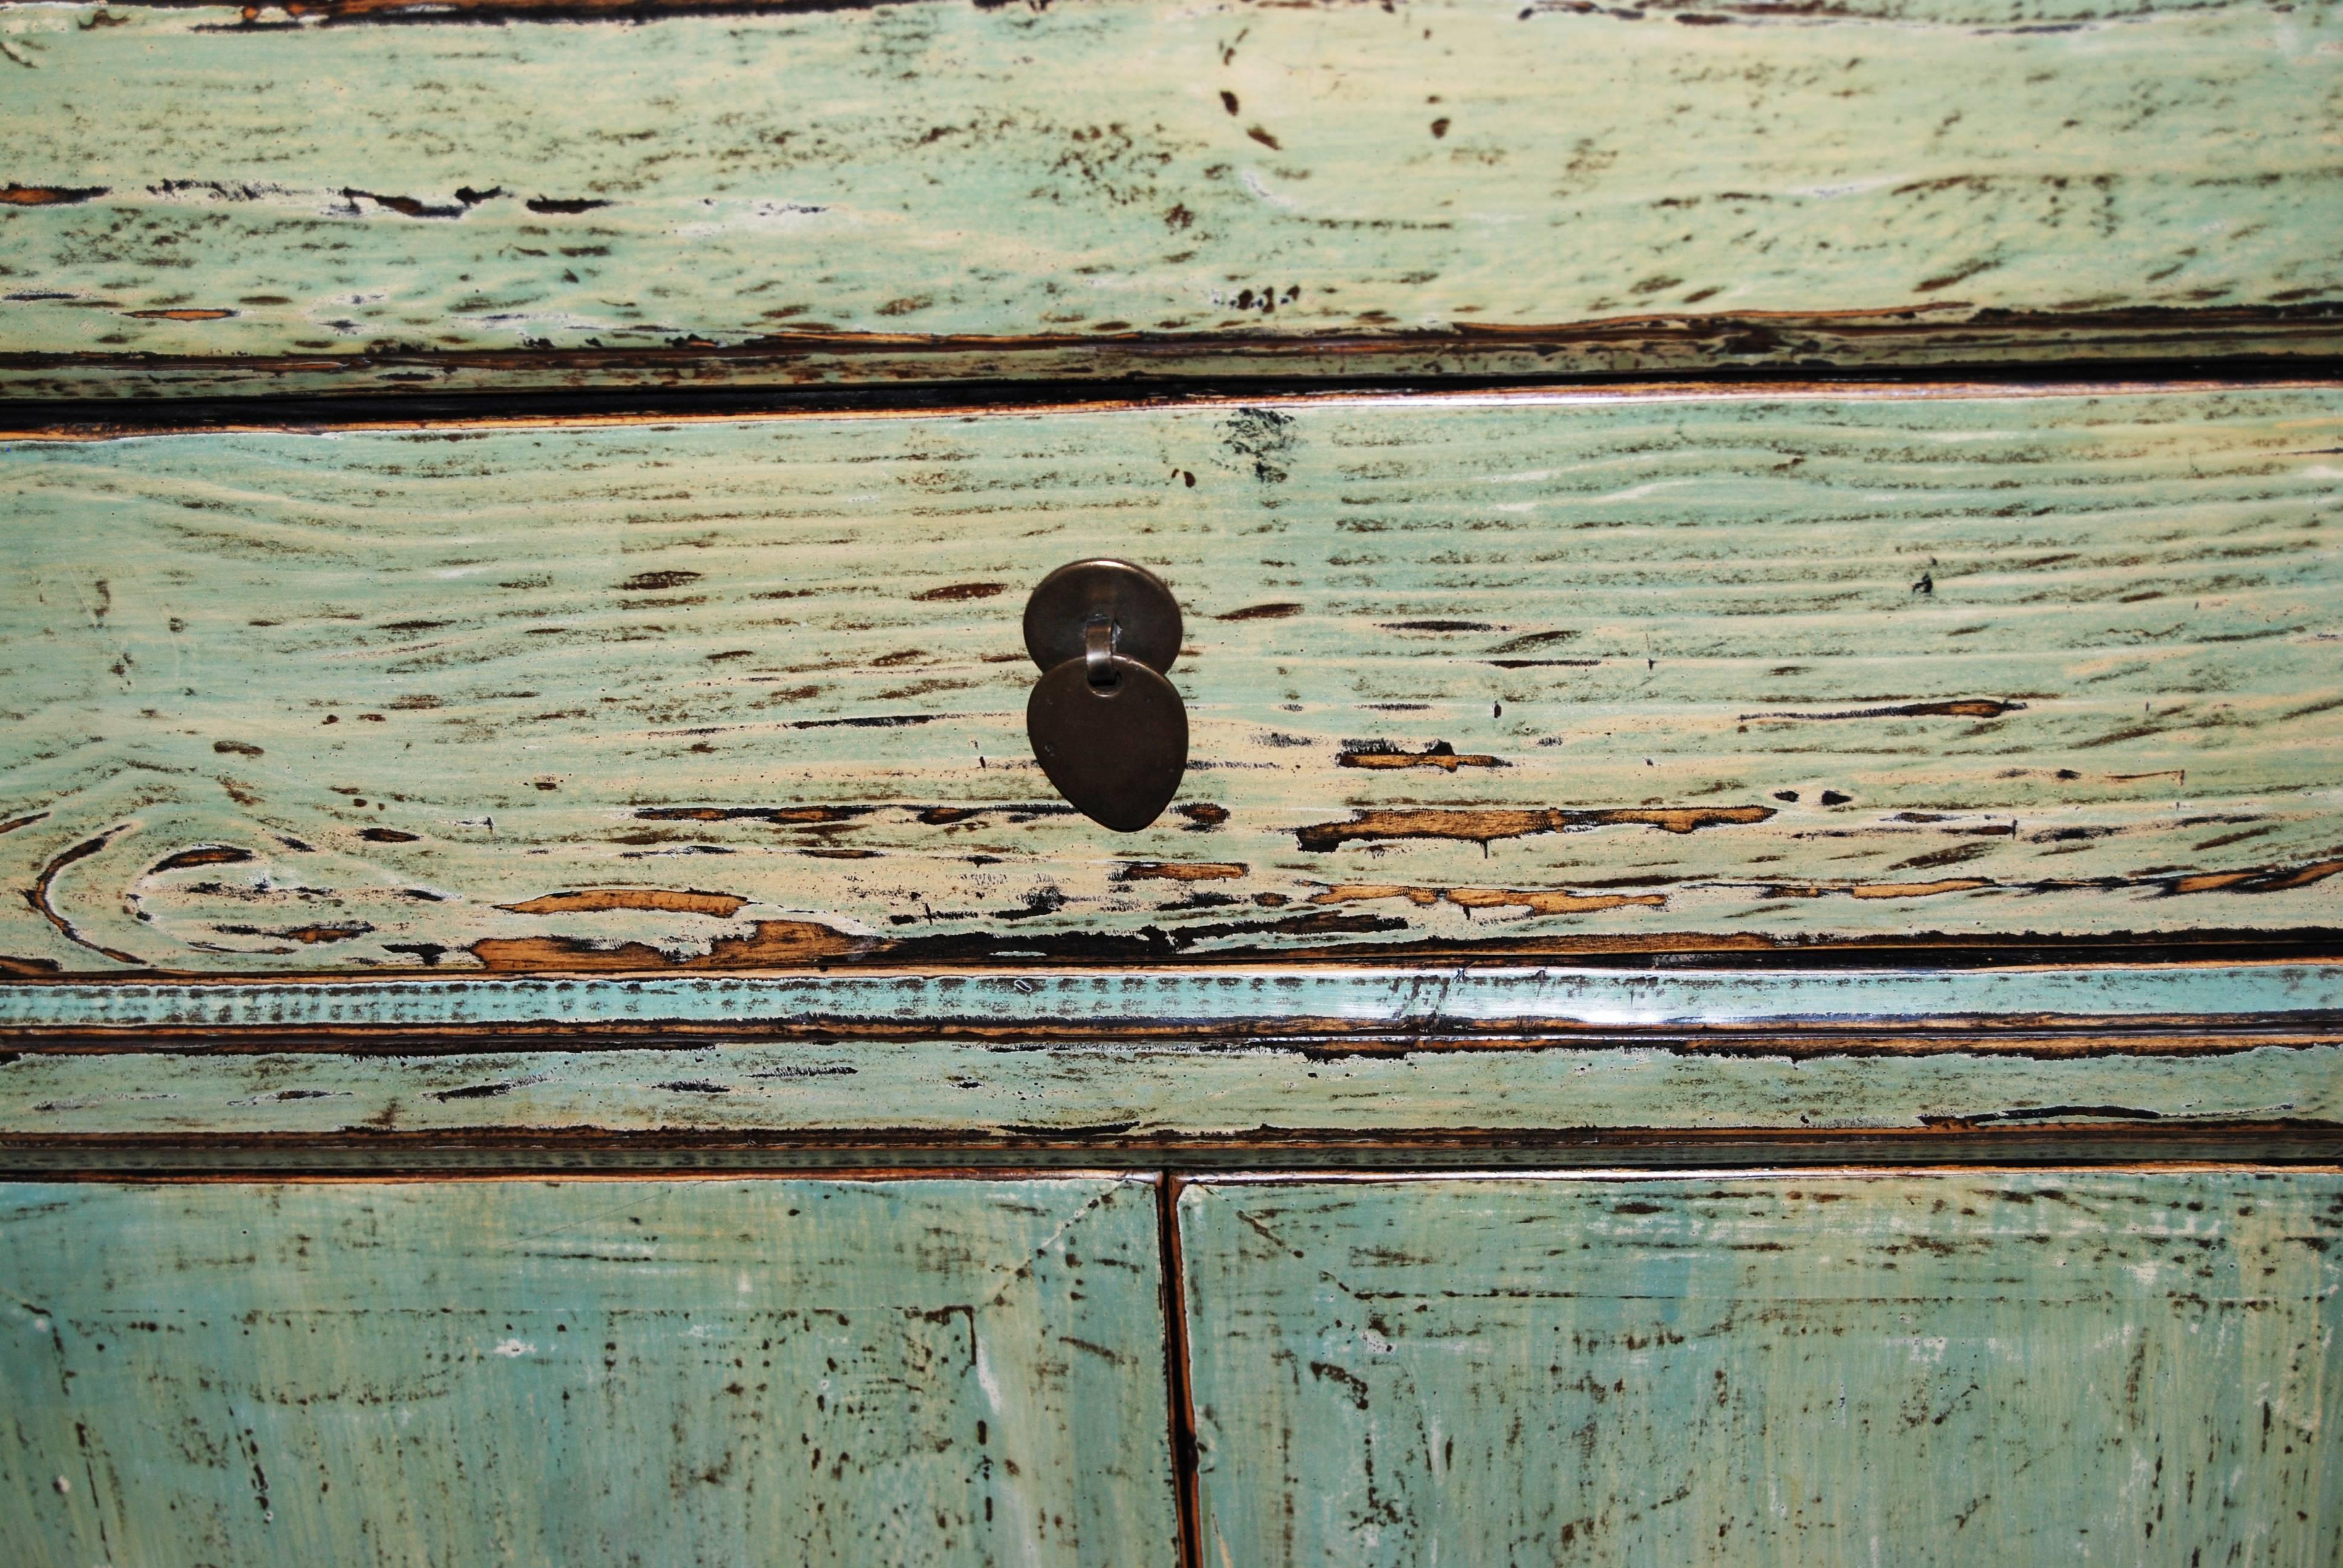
(1546, 676)
(1808, 1371)
(583, 1373)
(193, 201)
(1107, 1094)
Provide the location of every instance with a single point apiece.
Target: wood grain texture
(1544, 676)
(1803, 1369)
(196, 200)
(668, 1374)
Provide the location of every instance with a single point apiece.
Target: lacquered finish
(1809, 1371)
(914, 1371)
(1970, 1007)
(193, 202)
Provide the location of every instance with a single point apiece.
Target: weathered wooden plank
(196, 201)
(1107, 1094)
(1803, 1369)
(1544, 675)
(673, 1373)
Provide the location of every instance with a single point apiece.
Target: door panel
(1810, 1370)
(583, 1372)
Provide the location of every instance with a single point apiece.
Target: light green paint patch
(749, 693)
(1808, 1371)
(678, 1373)
(829, 194)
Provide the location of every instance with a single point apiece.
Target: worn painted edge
(327, 12)
(1734, 1171)
(1416, 1001)
(2273, 338)
(590, 1158)
(46, 421)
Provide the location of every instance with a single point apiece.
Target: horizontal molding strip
(88, 422)
(439, 1158)
(80, 387)
(1414, 1000)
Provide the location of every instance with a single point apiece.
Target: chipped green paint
(1808, 1371)
(959, 1373)
(1538, 675)
(192, 203)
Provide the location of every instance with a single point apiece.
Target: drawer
(585, 1371)
(346, 196)
(1806, 1368)
(1931, 677)
(1571, 773)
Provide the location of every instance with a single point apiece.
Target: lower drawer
(583, 1372)
(1807, 1370)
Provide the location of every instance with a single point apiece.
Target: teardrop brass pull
(1109, 730)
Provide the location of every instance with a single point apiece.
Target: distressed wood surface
(1315, 1063)
(1803, 1370)
(678, 1372)
(195, 199)
(1734, 1007)
(1542, 675)
(1112, 1095)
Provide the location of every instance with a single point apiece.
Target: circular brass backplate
(1135, 600)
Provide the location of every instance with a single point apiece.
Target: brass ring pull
(1109, 730)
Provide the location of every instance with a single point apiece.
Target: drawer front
(584, 1371)
(1810, 1368)
(1741, 679)
(198, 200)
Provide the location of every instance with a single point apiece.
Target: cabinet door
(583, 1372)
(1975, 1367)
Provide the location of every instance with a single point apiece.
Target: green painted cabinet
(1747, 967)
(1810, 1368)
(528, 1371)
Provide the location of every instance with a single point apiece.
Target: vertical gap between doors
(1180, 1399)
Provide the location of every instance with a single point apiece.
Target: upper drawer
(196, 199)
(1754, 677)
